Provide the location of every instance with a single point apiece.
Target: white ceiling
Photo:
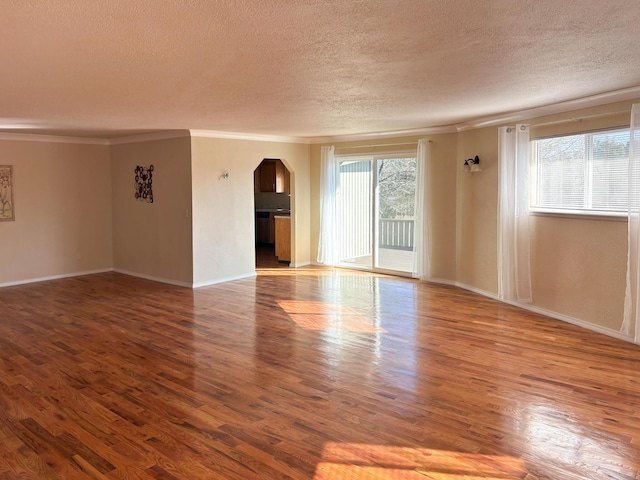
(307, 68)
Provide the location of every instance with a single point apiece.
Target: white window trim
(580, 214)
(585, 214)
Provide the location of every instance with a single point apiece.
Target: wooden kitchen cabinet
(268, 176)
(271, 176)
(287, 180)
(266, 227)
(272, 227)
(283, 238)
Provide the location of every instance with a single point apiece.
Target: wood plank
(109, 376)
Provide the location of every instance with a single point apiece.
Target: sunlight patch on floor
(293, 272)
(380, 462)
(328, 317)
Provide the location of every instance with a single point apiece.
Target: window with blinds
(585, 173)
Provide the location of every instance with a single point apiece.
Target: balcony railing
(396, 234)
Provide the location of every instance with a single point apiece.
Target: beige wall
(62, 199)
(223, 210)
(153, 239)
(578, 268)
(578, 264)
(314, 214)
(442, 186)
(76, 210)
(477, 211)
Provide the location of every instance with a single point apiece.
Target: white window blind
(588, 172)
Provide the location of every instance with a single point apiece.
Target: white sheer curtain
(514, 275)
(328, 242)
(631, 321)
(422, 238)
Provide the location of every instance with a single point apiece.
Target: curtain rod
(581, 118)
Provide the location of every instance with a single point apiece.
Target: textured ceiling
(303, 67)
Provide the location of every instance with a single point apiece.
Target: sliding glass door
(355, 205)
(376, 201)
(396, 197)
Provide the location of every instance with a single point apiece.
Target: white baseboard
(301, 264)
(54, 277)
(222, 280)
(152, 278)
(443, 281)
(549, 313)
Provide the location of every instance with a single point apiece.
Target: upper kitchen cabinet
(271, 176)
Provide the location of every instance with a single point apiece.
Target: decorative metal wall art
(144, 183)
(7, 211)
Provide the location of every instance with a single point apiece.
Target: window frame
(585, 213)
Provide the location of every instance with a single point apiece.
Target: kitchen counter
(274, 210)
(266, 224)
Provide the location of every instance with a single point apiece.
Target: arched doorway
(272, 205)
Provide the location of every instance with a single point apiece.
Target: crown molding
(149, 137)
(383, 135)
(555, 108)
(34, 137)
(248, 136)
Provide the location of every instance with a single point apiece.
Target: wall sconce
(472, 164)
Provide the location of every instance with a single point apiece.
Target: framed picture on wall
(7, 209)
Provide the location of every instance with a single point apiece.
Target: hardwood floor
(305, 374)
(266, 258)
